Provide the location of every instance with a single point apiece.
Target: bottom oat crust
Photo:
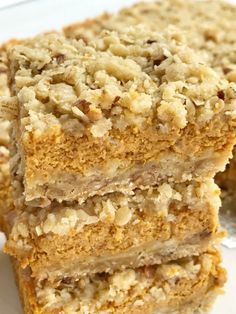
(184, 286)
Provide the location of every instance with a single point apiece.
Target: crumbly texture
(184, 286)
(116, 230)
(212, 37)
(6, 203)
(118, 111)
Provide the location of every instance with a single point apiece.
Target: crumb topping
(131, 78)
(211, 36)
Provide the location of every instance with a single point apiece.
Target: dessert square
(126, 110)
(214, 40)
(184, 286)
(115, 231)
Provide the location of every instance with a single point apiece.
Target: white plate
(32, 17)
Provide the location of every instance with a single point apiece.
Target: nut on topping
(79, 114)
(91, 112)
(60, 58)
(149, 271)
(83, 105)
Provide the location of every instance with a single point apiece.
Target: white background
(29, 18)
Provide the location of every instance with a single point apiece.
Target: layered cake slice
(211, 37)
(126, 110)
(183, 286)
(116, 230)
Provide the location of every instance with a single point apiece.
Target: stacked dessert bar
(116, 142)
(211, 37)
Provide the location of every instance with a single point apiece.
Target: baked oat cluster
(112, 132)
(120, 80)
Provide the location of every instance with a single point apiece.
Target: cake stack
(210, 36)
(114, 150)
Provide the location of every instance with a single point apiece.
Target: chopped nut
(60, 58)
(67, 280)
(116, 99)
(221, 94)
(78, 113)
(151, 41)
(149, 271)
(157, 62)
(83, 105)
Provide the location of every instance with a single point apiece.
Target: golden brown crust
(195, 289)
(213, 37)
(126, 107)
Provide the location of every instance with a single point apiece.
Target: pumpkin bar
(116, 230)
(211, 37)
(184, 286)
(126, 110)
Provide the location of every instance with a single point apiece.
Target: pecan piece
(151, 41)
(83, 105)
(158, 61)
(60, 58)
(221, 94)
(116, 99)
(149, 271)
